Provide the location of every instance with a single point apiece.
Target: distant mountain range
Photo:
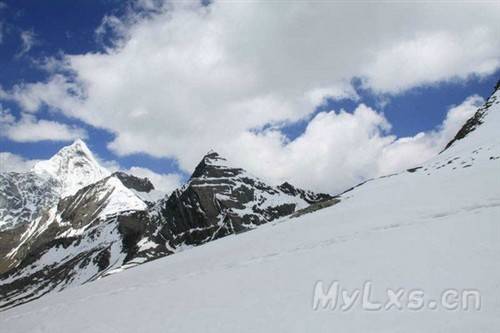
(70, 221)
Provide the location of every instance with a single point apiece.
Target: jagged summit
(74, 166)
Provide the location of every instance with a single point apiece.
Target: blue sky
(69, 28)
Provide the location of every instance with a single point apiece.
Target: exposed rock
(472, 123)
(220, 200)
(308, 196)
(135, 183)
(316, 206)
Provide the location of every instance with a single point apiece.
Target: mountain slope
(100, 228)
(488, 131)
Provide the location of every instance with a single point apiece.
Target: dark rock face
(9, 239)
(475, 121)
(134, 183)
(308, 196)
(220, 200)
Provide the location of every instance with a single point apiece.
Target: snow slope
(431, 228)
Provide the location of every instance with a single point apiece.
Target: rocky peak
(134, 183)
(74, 166)
(213, 165)
(220, 199)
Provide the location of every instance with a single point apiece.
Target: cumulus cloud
(30, 129)
(14, 163)
(185, 78)
(340, 149)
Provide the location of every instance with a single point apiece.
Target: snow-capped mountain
(37, 207)
(113, 223)
(100, 228)
(73, 166)
(28, 197)
(433, 228)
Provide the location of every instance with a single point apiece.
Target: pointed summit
(74, 166)
(212, 165)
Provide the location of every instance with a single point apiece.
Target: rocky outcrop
(134, 183)
(308, 196)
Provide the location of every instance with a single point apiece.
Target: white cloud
(186, 78)
(433, 57)
(340, 149)
(30, 129)
(28, 40)
(57, 93)
(337, 150)
(14, 163)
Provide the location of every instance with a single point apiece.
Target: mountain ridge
(103, 227)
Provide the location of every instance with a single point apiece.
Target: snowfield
(434, 228)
